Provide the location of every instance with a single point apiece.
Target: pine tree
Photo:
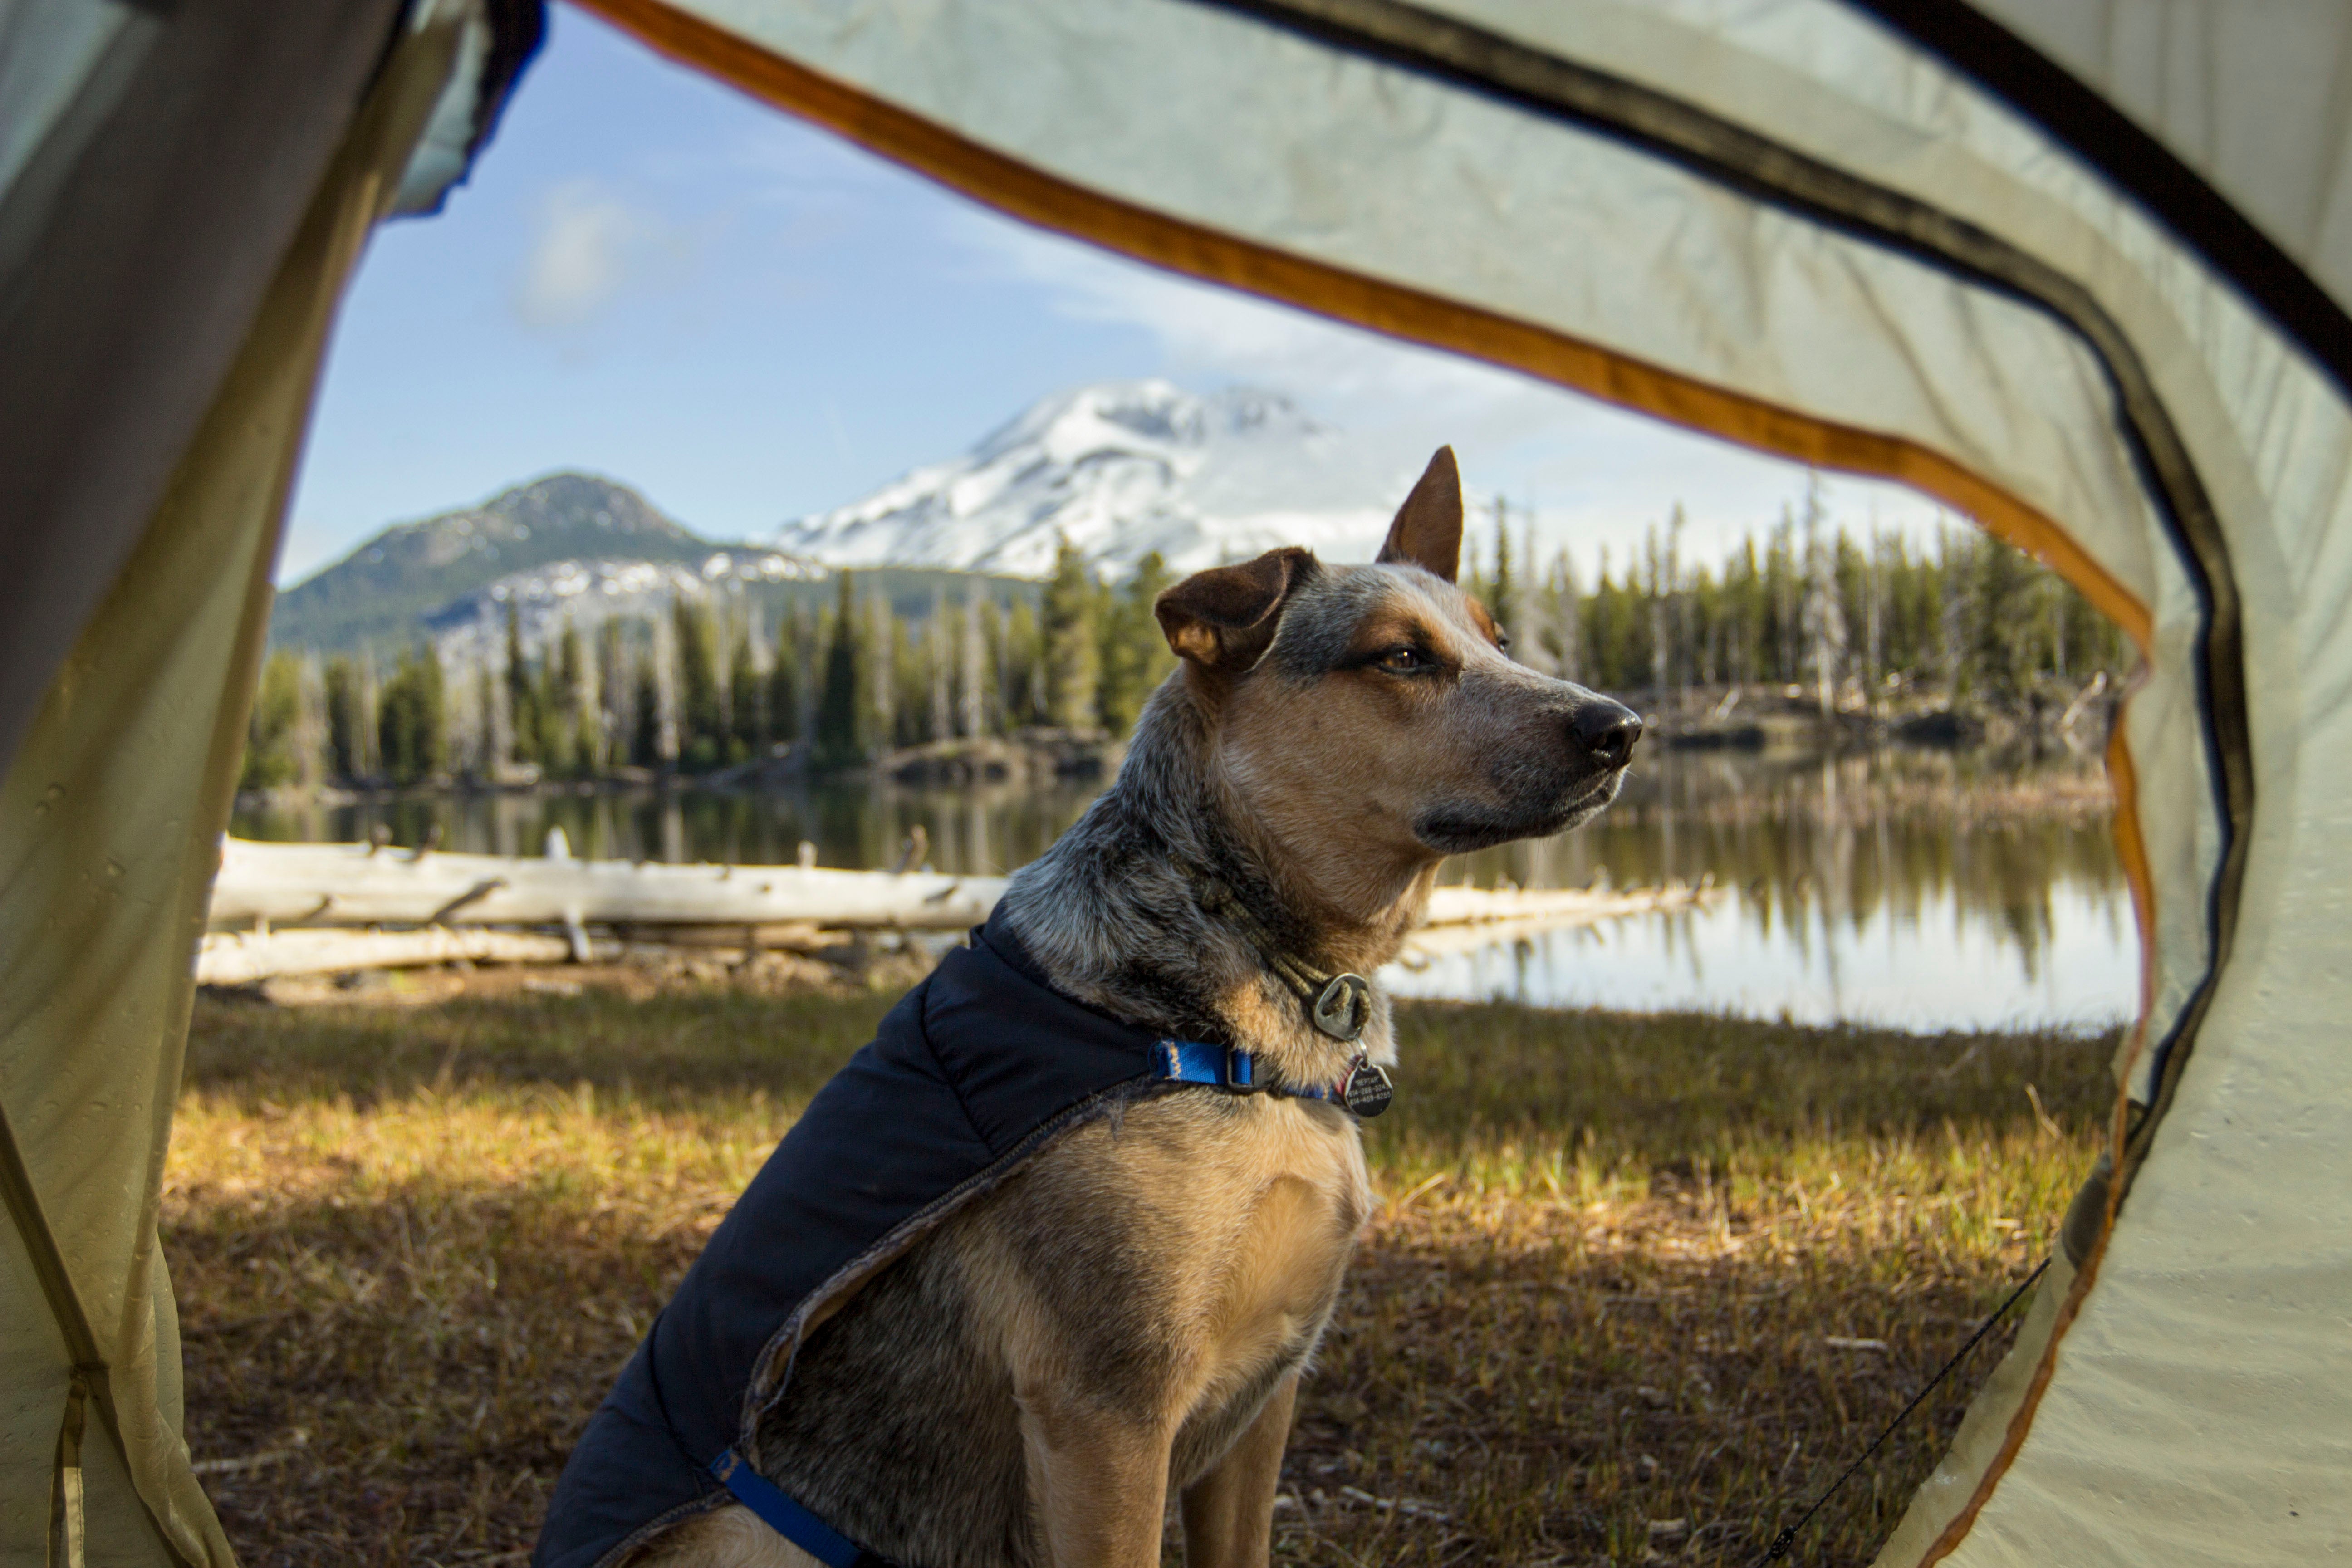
(411, 721)
(522, 709)
(493, 730)
(784, 682)
(747, 702)
(2007, 625)
(615, 708)
(347, 720)
(1823, 614)
(1135, 656)
(878, 655)
(1953, 557)
(939, 667)
(702, 716)
(836, 715)
(1654, 590)
(568, 741)
(271, 755)
(1874, 622)
(1020, 662)
(1568, 621)
(972, 693)
(1527, 619)
(909, 689)
(1673, 624)
(646, 736)
(1072, 660)
(1782, 596)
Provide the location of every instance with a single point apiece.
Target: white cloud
(1208, 329)
(1592, 476)
(592, 244)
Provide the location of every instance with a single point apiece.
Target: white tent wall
(1987, 317)
(112, 805)
(2256, 110)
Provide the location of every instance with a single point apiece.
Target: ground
(1637, 1288)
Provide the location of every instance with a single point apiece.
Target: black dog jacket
(976, 1070)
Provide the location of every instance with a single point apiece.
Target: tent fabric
(2230, 135)
(111, 808)
(1793, 226)
(2079, 266)
(151, 192)
(496, 40)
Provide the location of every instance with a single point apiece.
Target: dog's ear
(1223, 618)
(1427, 532)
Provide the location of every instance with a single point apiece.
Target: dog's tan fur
(1248, 1210)
(1131, 1312)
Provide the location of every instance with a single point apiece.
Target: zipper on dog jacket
(975, 1072)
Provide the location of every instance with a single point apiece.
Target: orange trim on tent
(1030, 195)
(2131, 850)
(2133, 853)
(1033, 196)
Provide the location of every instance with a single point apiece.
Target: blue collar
(1364, 1089)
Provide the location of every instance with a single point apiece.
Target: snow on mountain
(472, 627)
(1121, 468)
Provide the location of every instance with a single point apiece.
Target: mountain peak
(1120, 469)
(378, 591)
(582, 507)
(1145, 413)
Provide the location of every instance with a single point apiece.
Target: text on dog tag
(1367, 1090)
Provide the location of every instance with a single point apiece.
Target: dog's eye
(1405, 657)
(1502, 642)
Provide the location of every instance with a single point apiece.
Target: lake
(1921, 890)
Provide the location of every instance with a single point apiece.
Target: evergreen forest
(1848, 623)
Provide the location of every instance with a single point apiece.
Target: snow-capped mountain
(1122, 468)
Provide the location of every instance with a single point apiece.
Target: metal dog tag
(1344, 1008)
(1367, 1090)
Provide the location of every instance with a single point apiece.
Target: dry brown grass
(1591, 1322)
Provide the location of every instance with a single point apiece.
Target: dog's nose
(1607, 729)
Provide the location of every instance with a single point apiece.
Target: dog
(1130, 1312)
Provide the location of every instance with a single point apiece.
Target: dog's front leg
(1099, 1478)
(1229, 1511)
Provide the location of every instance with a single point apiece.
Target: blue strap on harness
(789, 1519)
(1222, 1066)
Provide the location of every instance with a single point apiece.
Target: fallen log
(1559, 906)
(785, 936)
(363, 885)
(246, 958)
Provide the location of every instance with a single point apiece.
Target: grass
(1591, 1322)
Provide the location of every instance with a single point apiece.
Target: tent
(2080, 267)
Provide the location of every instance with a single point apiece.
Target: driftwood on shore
(242, 958)
(360, 885)
(1558, 906)
(327, 889)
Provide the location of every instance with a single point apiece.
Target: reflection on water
(1923, 890)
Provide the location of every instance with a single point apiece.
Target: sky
(652, 277)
